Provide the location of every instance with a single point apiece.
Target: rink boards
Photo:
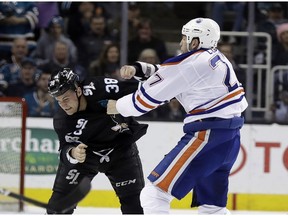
(258, 180)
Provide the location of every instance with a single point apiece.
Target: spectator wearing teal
(18, 19)
(25, 82)
(40, 103)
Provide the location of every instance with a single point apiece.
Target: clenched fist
(127, 72)
(79, 152)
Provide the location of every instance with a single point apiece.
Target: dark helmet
(64, 80)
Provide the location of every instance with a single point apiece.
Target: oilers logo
(199, 20)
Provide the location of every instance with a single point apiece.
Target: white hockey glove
(79, 152)
(111, 107)
(127, 71)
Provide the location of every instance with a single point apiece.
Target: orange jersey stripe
(144, 103)
(165, 183)
(226, 98)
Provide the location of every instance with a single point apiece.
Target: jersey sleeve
(105, 88)
(160, 88)
(61, 130)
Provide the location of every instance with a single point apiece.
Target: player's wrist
(71, 152)
(69, 155)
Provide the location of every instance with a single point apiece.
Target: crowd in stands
(37, 38)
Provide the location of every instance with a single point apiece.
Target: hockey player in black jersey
(91, 141)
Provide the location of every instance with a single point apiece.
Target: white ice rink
(31, 210)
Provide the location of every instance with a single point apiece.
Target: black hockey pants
(124, 171)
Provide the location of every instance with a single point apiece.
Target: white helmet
(207, 30)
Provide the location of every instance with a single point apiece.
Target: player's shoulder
(91, 84)
(94, 88)
(96, 80)
(182, 57)
(92, 79)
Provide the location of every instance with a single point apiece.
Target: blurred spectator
(45, 45)
(78, 19)
(281, 58)
(3, 86)
(40, 103)
(60, 59)
(26, 82)
(172, 111)
(184, 9)
(108, 64)
(281, 48)
(101, 11)
(219, 9)
(47, 10)
(17, 19)
(134, 15)
(218, 14)
(227, 49)
(149, 56)
(275, 17)
(280, 109)
(92, 43)
(2, 62)
(9, 72)
(143, 40)
(280, 83)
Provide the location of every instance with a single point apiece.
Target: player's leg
(191, 160)
(154, 200)
(211, 209)
(126, 177)
(66, 181)
(210, 194)
(211, 191)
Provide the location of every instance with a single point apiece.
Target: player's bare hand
(79, 152)
(111, 107)
(127, 71)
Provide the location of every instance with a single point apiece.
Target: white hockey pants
(154, 200)
(211, 209)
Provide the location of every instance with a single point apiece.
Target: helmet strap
(188, 46)
(78, 103)
(78, 97)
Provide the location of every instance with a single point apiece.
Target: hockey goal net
(13, 112)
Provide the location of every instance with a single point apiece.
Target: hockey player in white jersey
(203, 80)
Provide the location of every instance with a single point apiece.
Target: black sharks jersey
(93, 126)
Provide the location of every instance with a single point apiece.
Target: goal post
(13, 113)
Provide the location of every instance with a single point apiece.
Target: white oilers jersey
(203, 81)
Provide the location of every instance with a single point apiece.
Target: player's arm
(71, 152)
(139, 70)
(161, 87)
(106, 88)
(102, 89)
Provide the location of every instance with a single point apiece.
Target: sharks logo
(120, 127)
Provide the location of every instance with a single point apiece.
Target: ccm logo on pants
(127, 182)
